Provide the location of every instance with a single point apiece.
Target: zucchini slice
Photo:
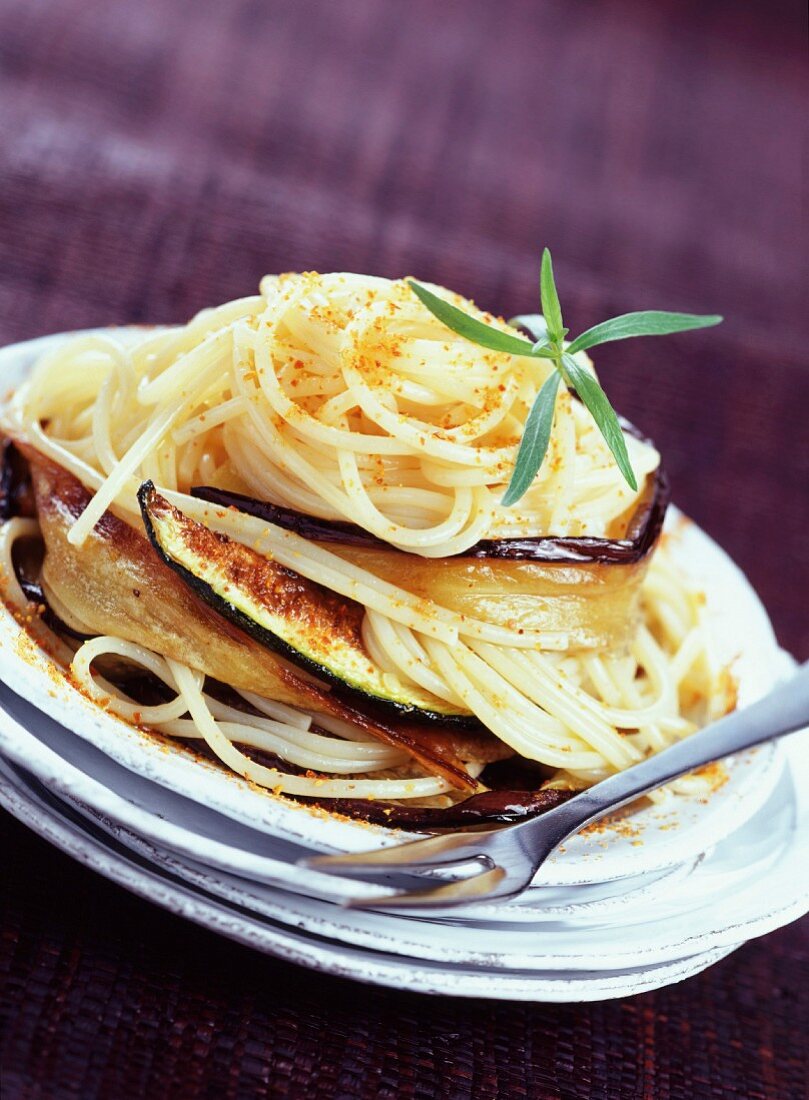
(302, 621)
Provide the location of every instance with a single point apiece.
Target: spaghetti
(342, 397)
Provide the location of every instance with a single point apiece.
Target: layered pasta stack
(342, 399)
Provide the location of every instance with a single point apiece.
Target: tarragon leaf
(470, 327)
(551, 308)
(548, 332)
(534, 443)
(599, 407)
(650, 322)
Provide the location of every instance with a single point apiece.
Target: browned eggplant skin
(499, 807)
(643, 529)
(16, 493)
(118, 585)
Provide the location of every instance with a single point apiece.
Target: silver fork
(510, 856)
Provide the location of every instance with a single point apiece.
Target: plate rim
(407, 976)
(223, 792)
(715, 932)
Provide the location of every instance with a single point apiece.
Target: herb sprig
(549, 335)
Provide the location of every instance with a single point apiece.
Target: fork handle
(783, 711)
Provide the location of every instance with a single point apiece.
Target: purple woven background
(156, 157)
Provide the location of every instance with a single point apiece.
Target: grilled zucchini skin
(248, 577)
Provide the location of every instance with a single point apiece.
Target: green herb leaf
(534, 322)
(597, 403)
(651, 322)
(469, 327)
(550, 299)
(548, 332)
(534, 443)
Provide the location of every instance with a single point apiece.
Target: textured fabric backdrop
(157, 157)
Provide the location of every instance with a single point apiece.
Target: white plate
(662, 837)
(126, 803)
(754, 881)
(103, 856)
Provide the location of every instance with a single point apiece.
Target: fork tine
(475, 888)
(434, 851)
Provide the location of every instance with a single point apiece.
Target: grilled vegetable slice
(301, 620)
(633, 535)
(116, 584)
(585, 588)
(504, 806)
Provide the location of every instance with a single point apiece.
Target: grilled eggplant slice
(503, 806)
(633, 535)
(116, 584)
(304, 622)
(585, 588)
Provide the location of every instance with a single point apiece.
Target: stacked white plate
(622, 909)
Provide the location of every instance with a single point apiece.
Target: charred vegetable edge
(644, 527)
(350, 693)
